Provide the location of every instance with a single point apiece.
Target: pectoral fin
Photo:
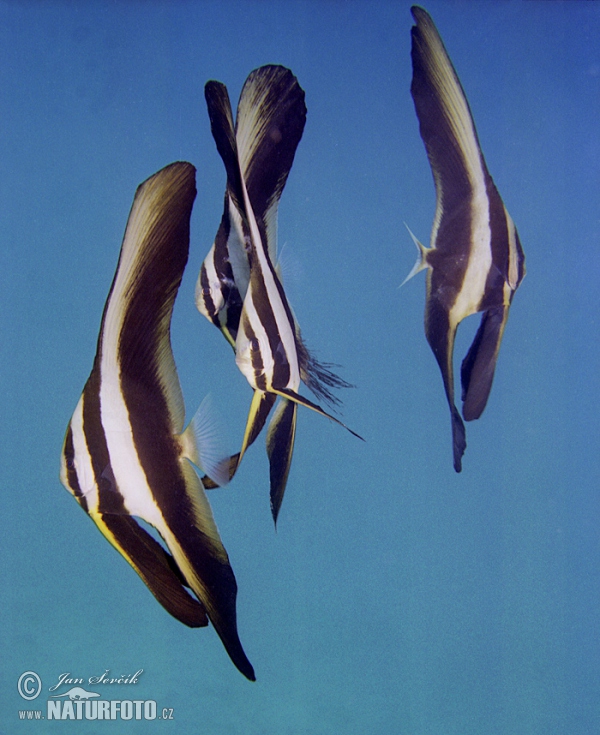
(477, 370)
(421, 262)
(202, 444)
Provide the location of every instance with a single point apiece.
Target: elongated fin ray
(300, 400)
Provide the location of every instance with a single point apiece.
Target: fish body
(475, 261)
(125, 452)
(239, 287)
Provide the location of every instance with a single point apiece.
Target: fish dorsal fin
(221, 125)
(203, 561)
(281, 434)
(270, 121)
(135, 347)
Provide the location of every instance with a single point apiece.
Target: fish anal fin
(459, 439)
(281, 435)
(478, 367)
(440, 331)
(154, 565)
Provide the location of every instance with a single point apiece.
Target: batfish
(475, 261)
(125, 453)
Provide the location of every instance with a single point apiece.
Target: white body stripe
(83, 460)
(480, 255)
(238, 257)
(127, 470)
(214, 284)
(460, 121)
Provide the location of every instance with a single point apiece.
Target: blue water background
(396, 596)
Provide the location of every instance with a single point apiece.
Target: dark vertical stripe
(500, 249)
(255, 354)
(110, 498)
(261, 299)
(209, 304)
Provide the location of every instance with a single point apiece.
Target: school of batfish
(126, 452)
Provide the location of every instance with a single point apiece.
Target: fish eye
(254, 344)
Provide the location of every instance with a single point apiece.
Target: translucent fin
(288, 267)
(234, 461)
(318, 376)
(421, 263)
(203, 444)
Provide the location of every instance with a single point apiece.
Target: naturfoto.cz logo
(79, 703)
